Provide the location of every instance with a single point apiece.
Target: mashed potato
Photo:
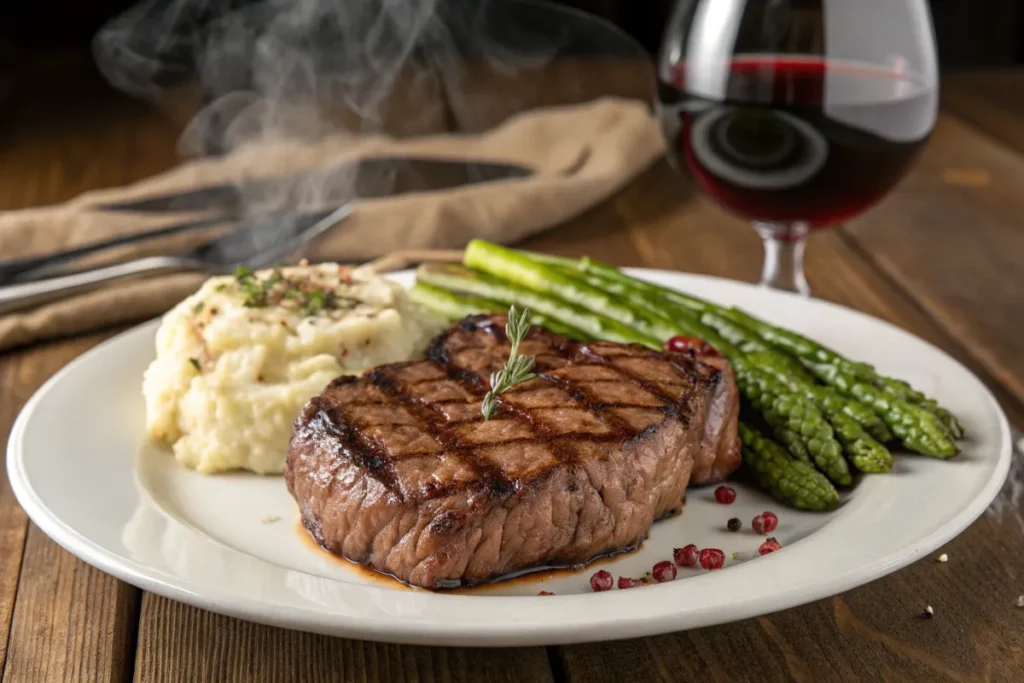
(238, 359)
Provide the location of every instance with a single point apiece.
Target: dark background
(971, 32)
(47, 71)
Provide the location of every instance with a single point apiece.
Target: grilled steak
(398, 470)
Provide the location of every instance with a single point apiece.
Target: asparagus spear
(751, 344)
(794, 444)
(678, 319)
(814, 352)
(899, 389)
(828, 399)
(519, 268)
(612, 273)
(918, 429)
(797, 377)
(594, 325)
(792, 342)
(455, 306)
(450, 304)
(623, 292)
(792, 413)
(792, 482)
(866, 454)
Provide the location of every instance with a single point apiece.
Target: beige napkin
(581, 155)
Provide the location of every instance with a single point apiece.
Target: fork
(257, 243)
(212, 198)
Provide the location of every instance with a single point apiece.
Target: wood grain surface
(182, 643)
(942, 257)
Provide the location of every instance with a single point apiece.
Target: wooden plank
(71, 622)
(962, 161)
(13, 521)
(991, 100)
(53, 152)
(872, 633)
(182, 643)
(57, 596)
(959, 250)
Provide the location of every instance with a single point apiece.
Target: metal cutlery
(334, 185)
(36, 267)
(257, 243)
(365, 178)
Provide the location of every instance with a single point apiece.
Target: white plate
(79, 466)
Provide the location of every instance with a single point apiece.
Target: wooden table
(942, 257)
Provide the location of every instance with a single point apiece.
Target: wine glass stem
(784, 256)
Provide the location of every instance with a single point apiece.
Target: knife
(335, 185)
(365, 178)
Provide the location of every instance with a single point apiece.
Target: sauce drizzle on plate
(537, 577)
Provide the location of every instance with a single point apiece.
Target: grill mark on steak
(619, 429)
(431, 419)
(583, 397)
(638, 381)
(671, 409)
(539, 433)
(479, 387)
(493, 479)
(362, 451)
(601, 404)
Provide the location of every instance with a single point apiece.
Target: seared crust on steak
(399, 471)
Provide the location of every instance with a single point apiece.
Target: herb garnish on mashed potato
(237, 360)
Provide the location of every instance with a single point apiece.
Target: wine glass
(796, 114)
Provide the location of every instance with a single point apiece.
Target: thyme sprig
(517, 369)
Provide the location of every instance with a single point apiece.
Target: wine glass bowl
(796, 114)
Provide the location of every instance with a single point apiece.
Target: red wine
(787, 139)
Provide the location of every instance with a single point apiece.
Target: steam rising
(242, 72)
(304, 68)
(1007, 505)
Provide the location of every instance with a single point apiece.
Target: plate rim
(513, 632)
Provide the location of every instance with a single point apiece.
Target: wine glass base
(784, 245)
